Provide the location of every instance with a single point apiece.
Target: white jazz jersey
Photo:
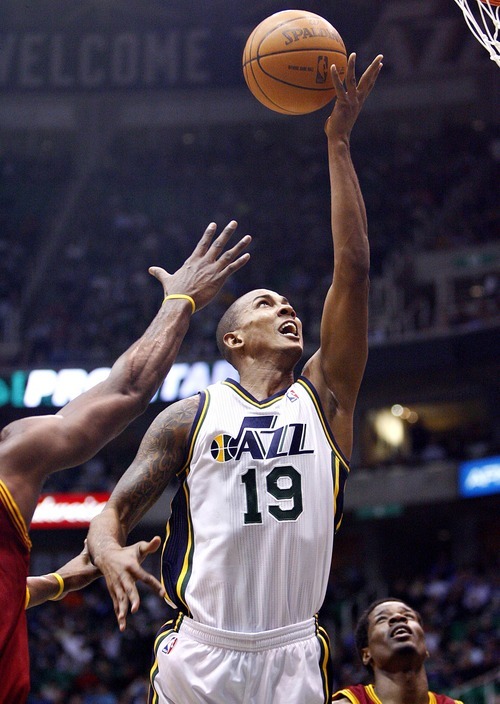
(249, 542)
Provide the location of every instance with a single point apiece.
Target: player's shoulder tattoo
(177, 419)
(160, 457)
(167, 437)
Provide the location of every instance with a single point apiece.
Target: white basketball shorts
(197, 664)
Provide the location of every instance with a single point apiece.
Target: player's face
(395, 637)
(268, 321)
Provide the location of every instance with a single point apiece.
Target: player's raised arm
(337, 368)
(32, 448)
(161, 455)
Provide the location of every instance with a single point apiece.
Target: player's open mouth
(400, 631)
(289, 329)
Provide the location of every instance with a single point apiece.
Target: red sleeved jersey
(15, 548)
(361, 694)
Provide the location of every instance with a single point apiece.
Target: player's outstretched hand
(351, 96)
(203, 274)
(122, 569)
(78, 573)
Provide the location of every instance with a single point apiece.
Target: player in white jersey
(250, 497)
(261, 464)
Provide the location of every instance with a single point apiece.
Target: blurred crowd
(460, 608)
(153, 193)
(78, 656)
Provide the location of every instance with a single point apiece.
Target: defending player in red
(33, 448)
(391, 644)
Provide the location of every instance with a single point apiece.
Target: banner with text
(55, 388)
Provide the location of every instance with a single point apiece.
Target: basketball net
(484, 23)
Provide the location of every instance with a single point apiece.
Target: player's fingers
(120, 605)
(159, 273)
(121, 616)
(220, 242)
(206, 239)
(235, 251)
(129, 597)
(367, 80)
(234, 266)
(133, 598)
(151, 582)
(337, 83)
(350, 76)
(115, 604)
(145, 548)
(370, 75)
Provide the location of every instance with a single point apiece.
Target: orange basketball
(287, 59)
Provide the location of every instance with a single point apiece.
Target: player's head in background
(389, 634)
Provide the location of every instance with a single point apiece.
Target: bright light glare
(390, 428)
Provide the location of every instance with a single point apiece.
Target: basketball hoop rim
(484, 24)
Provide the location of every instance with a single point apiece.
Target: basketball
(287, 59)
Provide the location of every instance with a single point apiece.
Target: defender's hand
(203, 274)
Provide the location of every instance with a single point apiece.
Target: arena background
(125, 127)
